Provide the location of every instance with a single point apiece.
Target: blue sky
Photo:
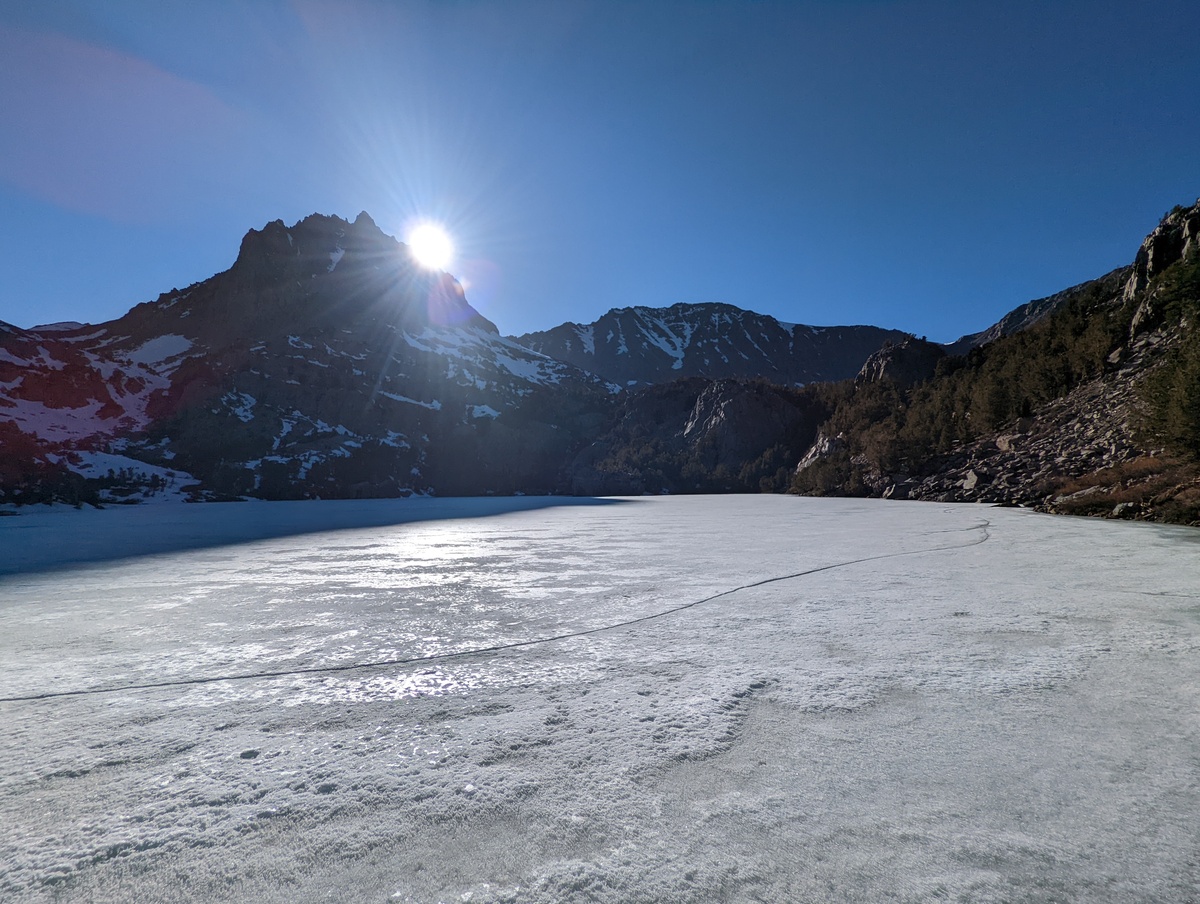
(920, 164)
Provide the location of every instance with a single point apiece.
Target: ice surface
(662, 699)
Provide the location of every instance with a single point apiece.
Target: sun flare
(430, 246)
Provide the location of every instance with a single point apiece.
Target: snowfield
(740, 698)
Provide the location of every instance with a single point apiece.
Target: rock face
(698, 435)
(1177, 236)
(823, 447)
(639, 346)
(906, 364)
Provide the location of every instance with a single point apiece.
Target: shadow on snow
(48, 539)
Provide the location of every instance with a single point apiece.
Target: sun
(430, 246)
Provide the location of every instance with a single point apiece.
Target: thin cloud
(101, 132)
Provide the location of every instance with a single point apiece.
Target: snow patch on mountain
(587, 335)
(61, 326)
(435, 405)
(160, 349)
(660, 334)
(395, 440)
(486, 351)
(241, 405)
(151, 483)
(60, 424)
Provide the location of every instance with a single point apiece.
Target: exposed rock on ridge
(906, 364)
(1173, 239)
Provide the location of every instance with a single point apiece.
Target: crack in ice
(497, 648)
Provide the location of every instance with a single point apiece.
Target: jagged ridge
(638, 346)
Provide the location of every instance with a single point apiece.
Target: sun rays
(430, 246)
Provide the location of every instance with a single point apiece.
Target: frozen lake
(740, 698)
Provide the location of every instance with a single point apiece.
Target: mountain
(638, 346)
(1093, 407)
(323, 362)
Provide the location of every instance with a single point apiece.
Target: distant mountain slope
(1026, 315)
(641, 345)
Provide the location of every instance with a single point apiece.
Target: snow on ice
(743, 698)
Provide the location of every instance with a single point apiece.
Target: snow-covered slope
(640, 345)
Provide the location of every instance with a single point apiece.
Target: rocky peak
(739, 418)
(327, 270)
(318, 240)
(1177, 236)
(905, 364)
(271, 240)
